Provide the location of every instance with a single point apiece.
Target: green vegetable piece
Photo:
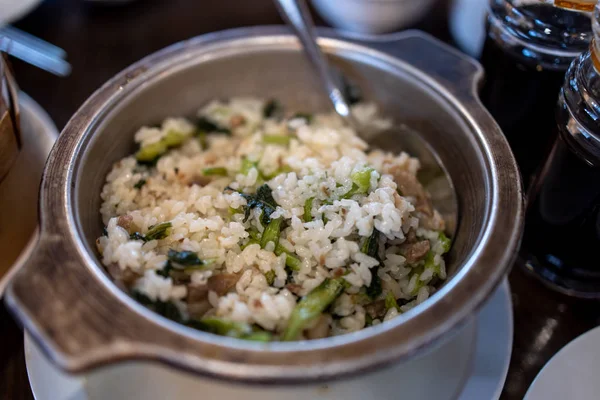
(291, 260)
(308, 205)
(271, 233)
(272, 108)
(174, 138)
(251, 241)
(283, 170)
(308, 117)
(223, 327)
(233, 329)
(247, 165)
(270, 276)
(312, 306)
(201, 136)
(159, 231)
(152, 152)
(140, 184)
(362, 179)
(446, 242)
(205, 125)
(350, 91)
(370, 247)
(184, 258)
(390, 302)
(277, 139)
(263, 199)
(215, 171)
(165, 308)
(137, 236)
(368, 320)
(259, 336)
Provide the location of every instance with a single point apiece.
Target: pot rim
(446, 311)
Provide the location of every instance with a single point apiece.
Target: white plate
(572, 373)
(12, 10)
(472, 365)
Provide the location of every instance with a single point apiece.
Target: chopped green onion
(311, 306)
(215, 171)
(308, 205)
(277, 139)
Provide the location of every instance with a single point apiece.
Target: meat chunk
(415, 252)
(376, 309)
(237, 120)
(200, 180)
(222, 283)
(294, 288)
(409, 186)
(197, 300)
(124, 278)
(320, 329)
(124, 221)
(197, 293)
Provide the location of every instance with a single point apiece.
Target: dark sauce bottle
(527, 51)
(562, 229)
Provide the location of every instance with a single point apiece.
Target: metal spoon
(399, 138)
(297, 15)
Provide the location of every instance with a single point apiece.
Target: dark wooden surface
(102, 40)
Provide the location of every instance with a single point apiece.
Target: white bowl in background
(372, 16)
(467, 25)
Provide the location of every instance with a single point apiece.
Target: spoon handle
(296, 14)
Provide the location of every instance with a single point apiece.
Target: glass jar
(562, 228)
(529, 47)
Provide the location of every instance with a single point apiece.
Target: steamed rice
(201, 188)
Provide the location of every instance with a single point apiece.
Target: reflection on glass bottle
(562, 229)
(529, 46)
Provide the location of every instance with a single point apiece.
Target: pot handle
(457, 72)
(70, 315)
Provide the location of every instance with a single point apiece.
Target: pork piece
(124, 278)
(376, 309)
(409, 186)
(222, 283)
(415, 252)
(320, 329)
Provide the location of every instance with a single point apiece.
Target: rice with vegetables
(261, 224)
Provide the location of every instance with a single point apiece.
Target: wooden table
(101, 41)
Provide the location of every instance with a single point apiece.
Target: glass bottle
(528, 48)
(562, 228)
